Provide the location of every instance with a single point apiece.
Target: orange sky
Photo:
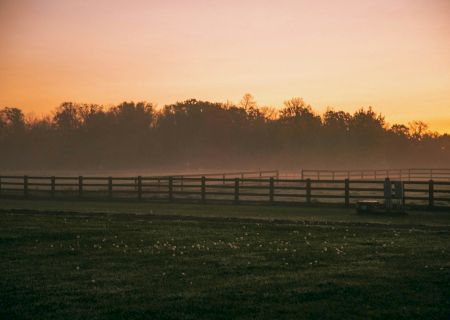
(391, 54)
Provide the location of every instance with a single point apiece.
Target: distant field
(98, 260)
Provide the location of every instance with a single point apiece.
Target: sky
(393, 55)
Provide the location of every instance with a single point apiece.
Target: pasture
(97, 260)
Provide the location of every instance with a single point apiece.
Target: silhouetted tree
(196, 134)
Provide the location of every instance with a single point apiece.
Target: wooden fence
(431, 193)
(228, 175)
(379, 174)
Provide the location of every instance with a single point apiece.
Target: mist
(199, 137)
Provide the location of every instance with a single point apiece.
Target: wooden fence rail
(412, 174)
(236, 174)
(432, 194)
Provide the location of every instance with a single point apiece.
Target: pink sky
(391, 54)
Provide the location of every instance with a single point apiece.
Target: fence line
(224, 176)
(430, 193)
(411, 174)
(240, 174)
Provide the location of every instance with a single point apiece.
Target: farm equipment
(393, 200)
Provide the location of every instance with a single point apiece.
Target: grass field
(83, 260)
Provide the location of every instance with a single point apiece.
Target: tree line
(200, 135)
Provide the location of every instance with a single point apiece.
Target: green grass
(291, 213)
(78, 260)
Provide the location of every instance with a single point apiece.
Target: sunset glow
(392, 55)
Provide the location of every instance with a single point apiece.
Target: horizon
(31, 115)
(393, 56)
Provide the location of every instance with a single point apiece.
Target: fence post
(25, 186)
(139, 180)
(80, 187)
(0, 186)
(308, 191)
(431, 194)
(170, 189)
(403, 194)
(387, 194)
(302, 175)
(271, 190)
(347, 192)
(110, 187)
(236, 190)
(203, 188)
(52, 192)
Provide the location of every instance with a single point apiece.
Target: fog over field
(203, 137)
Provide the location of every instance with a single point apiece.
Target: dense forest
(200, 135)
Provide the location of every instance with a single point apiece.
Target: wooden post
(303, 176)
(236, 190)
(347, 192)
(388, 194)
(431, 194)
(0, 186)
(203, 189)
(25, 186)
(403, 194)
(271, 190)
(308, 191)
(52, 191)
(80, 187)
(170, 189)
(110, 187)
(139, 185)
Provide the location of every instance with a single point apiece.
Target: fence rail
(224, 175)
(412, 174)
(432, 194)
